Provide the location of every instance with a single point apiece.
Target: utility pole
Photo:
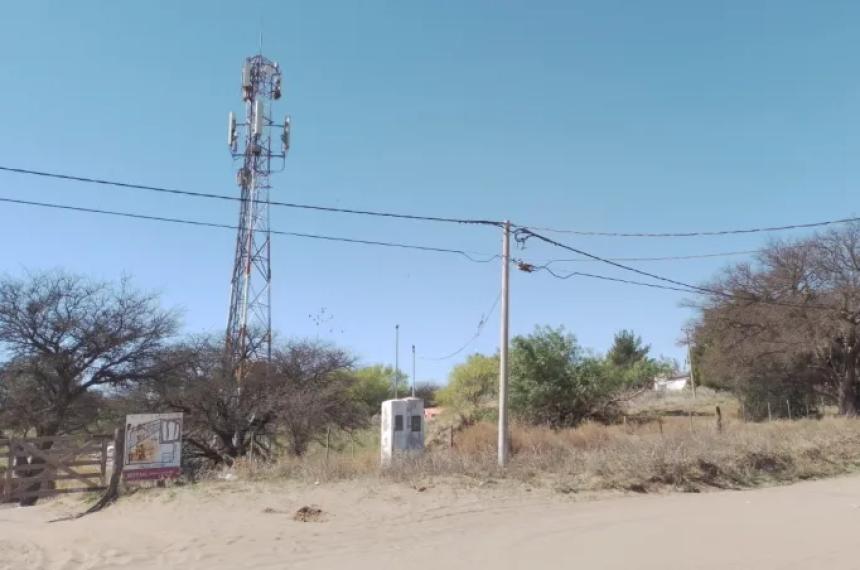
(396, 358)
(503, 347)
(413, 370)
(690, 360)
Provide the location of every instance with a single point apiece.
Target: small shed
(672, 383)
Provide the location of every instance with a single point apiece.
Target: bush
(472, 387)
(555, 383)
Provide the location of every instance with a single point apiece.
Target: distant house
(431, 413)
(674, 383)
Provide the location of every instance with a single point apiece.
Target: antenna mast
(249, 324)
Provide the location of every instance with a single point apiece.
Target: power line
(468, 255)
(417, 217)
(193, 194)
(607, 278)
(660, 258)
(481, 324)
(681, 286)
(523, 234)
(697, 233)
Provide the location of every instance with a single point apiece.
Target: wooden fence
(36, 467)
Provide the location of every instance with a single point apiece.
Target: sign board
(153, 446)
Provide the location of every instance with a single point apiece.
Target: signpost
(153, 447)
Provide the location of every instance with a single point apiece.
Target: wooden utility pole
(503, 347)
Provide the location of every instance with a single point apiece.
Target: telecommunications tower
(249, 324)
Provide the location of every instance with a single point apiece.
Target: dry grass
(595, 457)
(652, 403)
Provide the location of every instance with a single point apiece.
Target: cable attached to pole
(522, 235)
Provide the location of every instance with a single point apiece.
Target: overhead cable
(521, 235)
(696, 233)
(607, 278)
(190, 193)
(481, 324)
(418, 217)
(471, 256)
(660, 258)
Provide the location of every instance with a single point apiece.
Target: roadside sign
(153, 446)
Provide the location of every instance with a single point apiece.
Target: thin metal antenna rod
(396, 359)
(413, 370)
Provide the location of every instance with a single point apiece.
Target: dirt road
(231, 526)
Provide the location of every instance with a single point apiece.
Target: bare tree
(314, 384)
(791, 318)
(67, 339)
(303, 390)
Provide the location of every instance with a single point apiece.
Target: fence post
(719, 420)
(112, 493)
(7, 484)
(451, 437)
(769, 415)
(660, 423)
(103, 465)
(327, 442)
(788, 406)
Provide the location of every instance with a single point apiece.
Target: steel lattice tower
(249, 324)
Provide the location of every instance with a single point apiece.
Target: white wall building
(672, 383)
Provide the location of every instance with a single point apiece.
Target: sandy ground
(229, 526)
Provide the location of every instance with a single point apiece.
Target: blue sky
(598, 115)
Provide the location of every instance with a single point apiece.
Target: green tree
(375, 384)
(472, 385)
(555, 382)
(627, 349)
(427, 391)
